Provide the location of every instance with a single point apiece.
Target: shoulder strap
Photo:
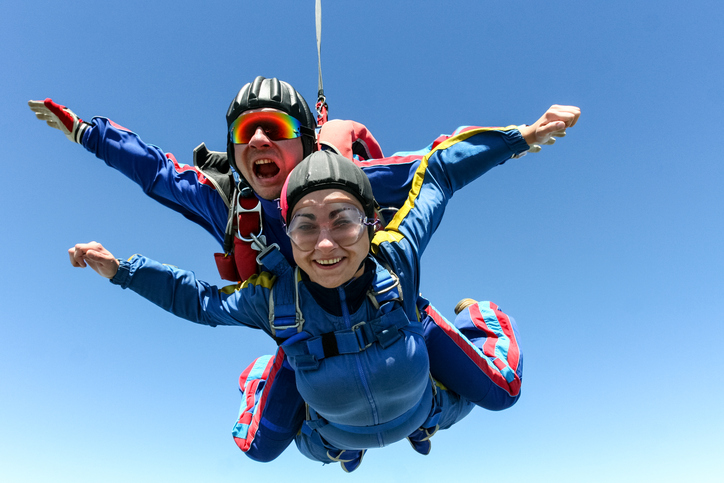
(285, 313)
(385, 288)
(214, 165)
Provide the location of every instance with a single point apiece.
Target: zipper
(360, 369)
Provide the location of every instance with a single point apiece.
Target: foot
(464, 304)
(349, 459)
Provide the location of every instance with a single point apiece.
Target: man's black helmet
(276, 94)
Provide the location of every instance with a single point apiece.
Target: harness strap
(306, 354)
(385, 289)
(285, 314)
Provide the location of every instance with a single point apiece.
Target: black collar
(355, 291)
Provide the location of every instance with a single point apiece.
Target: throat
(267, 170)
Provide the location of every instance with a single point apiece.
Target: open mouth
(265, 168)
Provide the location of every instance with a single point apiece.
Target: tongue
(268, 170)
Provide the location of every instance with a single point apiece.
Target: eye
(306, 227)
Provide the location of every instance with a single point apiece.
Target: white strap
(318, 17)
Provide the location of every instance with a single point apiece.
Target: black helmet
(326, 170)
(276, 94)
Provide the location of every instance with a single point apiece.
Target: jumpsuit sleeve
(448, 167)
(182, 294)
(182, 188)
(392, 177)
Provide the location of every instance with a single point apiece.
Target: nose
(325, 240)
(259, 139)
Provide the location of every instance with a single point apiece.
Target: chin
(329, 281)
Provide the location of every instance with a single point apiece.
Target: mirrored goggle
(277, 126)
(344, 224)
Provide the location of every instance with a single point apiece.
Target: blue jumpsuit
(382, 392)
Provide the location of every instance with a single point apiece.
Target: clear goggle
(344, 223)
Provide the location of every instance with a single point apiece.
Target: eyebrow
(336, 212)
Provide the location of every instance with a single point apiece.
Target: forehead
(262, 109)
(325, 197)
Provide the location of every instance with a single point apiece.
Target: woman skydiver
(353, 369)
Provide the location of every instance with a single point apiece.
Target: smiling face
(265, 163)
(329, 264)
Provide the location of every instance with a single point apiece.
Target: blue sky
(606, 248)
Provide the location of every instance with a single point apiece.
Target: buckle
(239, 211)
(372, 295)
(360, 336)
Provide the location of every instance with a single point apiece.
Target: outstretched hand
(60, 117)
(94, 255)
(551, 125)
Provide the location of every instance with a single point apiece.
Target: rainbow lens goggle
(276, 125)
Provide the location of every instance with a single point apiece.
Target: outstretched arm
(94, 255)
(184, 189)
(179, 291)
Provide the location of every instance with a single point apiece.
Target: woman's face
(328, 263)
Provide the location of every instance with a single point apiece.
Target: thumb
(543, 133)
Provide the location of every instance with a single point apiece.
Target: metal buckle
(239, 210)
(355, 329)
(372, 295)
(281, 328)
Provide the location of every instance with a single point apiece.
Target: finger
(35, 105)
(98, 256)
(76, 257)
(569, 114)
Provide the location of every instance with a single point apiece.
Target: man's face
(328, 263)
(266, 163)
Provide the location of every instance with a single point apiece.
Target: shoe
(420, 440)
(349, 459)
(464, 304)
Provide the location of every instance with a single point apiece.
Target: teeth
(329, 262)
(263, 161)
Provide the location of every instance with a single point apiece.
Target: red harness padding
(241, 264)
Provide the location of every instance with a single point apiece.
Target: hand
(94, 255)
(60, 117)
(551, 125)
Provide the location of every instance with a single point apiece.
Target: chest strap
(306, 354)
(385, 295)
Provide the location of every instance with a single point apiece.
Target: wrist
(528, 133)
(79, 131)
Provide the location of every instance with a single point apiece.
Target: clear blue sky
(606, 248)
